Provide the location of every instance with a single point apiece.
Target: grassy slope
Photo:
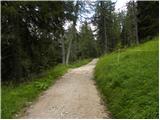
(129, 81)
(15, 98)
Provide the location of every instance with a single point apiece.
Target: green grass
(15, 98)
(128, 81)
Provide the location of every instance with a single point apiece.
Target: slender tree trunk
(63, 50)
(136, 21)
(69, 50)
(104, 25)
(136, 25)
(105, 36)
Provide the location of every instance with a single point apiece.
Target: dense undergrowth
(15, 98)
(128, 81)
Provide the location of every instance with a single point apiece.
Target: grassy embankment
(15, 98)
(128, 81)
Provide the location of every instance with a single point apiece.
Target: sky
(120, 5)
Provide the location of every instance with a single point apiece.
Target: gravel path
(72, 96)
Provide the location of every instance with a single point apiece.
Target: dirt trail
(72, 96)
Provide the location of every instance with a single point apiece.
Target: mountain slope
(128, 81)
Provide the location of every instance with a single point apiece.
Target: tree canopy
(34, 38)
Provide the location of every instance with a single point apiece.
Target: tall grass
(128, 81)
(15, 98)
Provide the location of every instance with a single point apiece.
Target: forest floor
(74, 95)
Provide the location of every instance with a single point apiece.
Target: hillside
(128, 81)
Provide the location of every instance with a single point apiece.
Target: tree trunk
(69, 50)
(105, 36)
(104, 25)
(63, 50)
(136, 25)
(136, 21)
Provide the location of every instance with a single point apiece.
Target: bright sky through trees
(120, 5)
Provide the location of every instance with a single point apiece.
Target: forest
(34, 38)
(37, 36)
